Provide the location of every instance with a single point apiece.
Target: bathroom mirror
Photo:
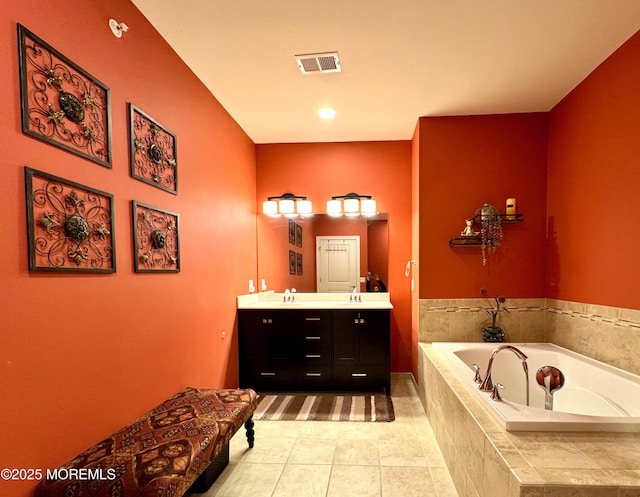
(287, 252)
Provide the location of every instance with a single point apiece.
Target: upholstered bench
(161, 453)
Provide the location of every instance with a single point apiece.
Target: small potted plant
(494, 333)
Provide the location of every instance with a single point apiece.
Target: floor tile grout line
(412, 419)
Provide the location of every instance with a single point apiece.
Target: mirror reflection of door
(338, 263)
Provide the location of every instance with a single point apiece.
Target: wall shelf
(476, 241)
(465, 241)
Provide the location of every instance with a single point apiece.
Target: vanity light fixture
(352, 205)
(287, 204)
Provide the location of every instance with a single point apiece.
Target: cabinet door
(252, 334)
(345, 337)
(374, 337)
(267, 349)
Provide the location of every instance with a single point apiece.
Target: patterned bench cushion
(161, 453)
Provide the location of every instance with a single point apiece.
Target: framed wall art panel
(292, 262)
(153, 151)
(69, 226)
(61, 103)
(298, 235)
(292, 232)
(156, 243)
(298, 263)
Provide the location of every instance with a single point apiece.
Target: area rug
(324, 407)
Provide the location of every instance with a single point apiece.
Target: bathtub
(595, 396)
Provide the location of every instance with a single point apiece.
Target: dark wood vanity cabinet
(306, 349)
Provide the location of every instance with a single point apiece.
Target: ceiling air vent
(318, 62)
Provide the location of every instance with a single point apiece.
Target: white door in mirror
(338, 263)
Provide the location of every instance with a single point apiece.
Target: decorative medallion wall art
(153, 152)
(69, 226)
(156, 246)
(61, 103)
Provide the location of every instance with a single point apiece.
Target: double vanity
(314, 341)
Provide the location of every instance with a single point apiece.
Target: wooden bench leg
(250, 433)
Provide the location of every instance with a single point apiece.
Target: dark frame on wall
(61, 103)
(69, 226)
(153, 151)
(299, 264)
(298, 235)
(156, 239)
(292, 262)
(292, 232)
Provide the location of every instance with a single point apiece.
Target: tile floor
(335, 459)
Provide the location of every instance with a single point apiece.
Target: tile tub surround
(607, 334)
(462, 320)
(485, 460)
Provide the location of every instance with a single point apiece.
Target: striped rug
(324, 407)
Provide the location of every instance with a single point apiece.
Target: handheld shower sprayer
(408, 272)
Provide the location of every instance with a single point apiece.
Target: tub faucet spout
(487, 383)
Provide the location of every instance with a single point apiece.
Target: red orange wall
(463, 163)
(594, 184)
(80, 355)
(380, 169)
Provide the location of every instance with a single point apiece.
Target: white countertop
(272, 300)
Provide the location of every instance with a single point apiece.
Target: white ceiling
(401, 59)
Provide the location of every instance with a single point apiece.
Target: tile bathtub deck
(335, 459)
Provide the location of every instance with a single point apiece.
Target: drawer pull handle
(314, 374)
(312, 319)
(267, 374)
(312, 338)
(359, 375)
(267, 321)
(313, 355)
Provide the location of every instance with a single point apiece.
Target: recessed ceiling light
(327, 113)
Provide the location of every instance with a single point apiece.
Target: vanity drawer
(309, 321)
(363, 377)
(316, 377)
(267, 376)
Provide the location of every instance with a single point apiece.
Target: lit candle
(511, 208)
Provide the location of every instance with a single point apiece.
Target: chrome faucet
(355, 297)
(487, 383)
